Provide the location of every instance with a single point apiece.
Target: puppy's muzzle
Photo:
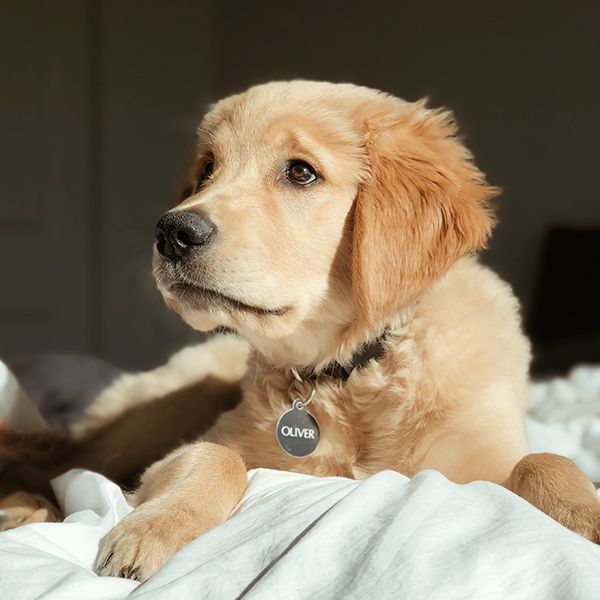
(183, 232)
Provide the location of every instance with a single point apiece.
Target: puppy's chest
(361, 429)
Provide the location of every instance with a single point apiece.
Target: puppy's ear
(424, 206)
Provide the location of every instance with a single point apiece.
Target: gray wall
(99, 104)
(100, 100)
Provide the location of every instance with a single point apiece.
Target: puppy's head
(313, 205)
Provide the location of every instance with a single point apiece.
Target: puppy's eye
(206, 173)
(207, 169)
(301, 173)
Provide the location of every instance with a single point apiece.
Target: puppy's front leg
(557, 487)
(181, 497)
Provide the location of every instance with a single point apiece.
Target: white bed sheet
(295, 536)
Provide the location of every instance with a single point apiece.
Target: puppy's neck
(336, 334)
(317, 344)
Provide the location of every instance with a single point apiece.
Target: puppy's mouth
(195, 296)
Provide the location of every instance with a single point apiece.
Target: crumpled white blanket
(564, 418)
(295, 536)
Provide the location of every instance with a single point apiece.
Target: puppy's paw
(584, 520)
(138, 546)
(22, 508)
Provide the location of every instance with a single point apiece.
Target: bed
(295, 536)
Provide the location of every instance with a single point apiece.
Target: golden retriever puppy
(334, 227)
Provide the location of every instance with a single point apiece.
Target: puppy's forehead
(284, 112)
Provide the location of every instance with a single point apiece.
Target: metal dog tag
(298, 431)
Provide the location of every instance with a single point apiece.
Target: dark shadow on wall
(564, 319)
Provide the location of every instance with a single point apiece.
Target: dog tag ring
(298, 431)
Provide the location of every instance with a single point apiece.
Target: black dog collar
(373, 349)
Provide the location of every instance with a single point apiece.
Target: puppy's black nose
(180, 232)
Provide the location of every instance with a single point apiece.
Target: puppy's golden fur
(382, 240)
